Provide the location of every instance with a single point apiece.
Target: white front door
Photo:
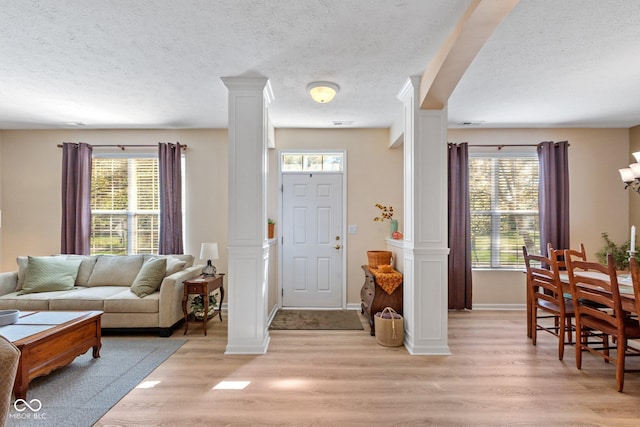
(312, 241)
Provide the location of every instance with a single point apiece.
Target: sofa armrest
(171, 292)
(8, 282)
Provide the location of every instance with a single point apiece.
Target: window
(503, 192)
(124, 205)
(311, 162)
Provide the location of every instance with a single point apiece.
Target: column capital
(245, 83)
(410, 90)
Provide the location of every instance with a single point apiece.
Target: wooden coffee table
(48, 340)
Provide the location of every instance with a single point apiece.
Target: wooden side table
(374, 298)
(203, 286)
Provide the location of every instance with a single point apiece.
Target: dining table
(627, 296)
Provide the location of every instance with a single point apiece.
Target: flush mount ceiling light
(322, 92)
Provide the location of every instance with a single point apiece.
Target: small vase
(394, 227)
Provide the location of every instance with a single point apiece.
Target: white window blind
(124, 205)
(503, 194)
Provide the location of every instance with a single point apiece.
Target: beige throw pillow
(150, 277)
(45, 274)
(174, 265)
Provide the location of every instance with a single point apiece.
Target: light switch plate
(353, 229)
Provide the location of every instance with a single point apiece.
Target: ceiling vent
(342, 122)
(472, 123)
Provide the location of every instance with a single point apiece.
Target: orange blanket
(387, 281)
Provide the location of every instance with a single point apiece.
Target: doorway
(313, 246)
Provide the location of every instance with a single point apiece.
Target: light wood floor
(494, 376)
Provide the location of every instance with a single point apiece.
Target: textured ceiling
(158, 63)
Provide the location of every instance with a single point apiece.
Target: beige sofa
(122, 286)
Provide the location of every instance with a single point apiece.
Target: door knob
(337, 246)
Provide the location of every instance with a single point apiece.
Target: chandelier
(631, 175)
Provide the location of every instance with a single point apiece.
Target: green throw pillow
(150, 277)
(45, 274)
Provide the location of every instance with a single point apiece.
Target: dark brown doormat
(316, 320)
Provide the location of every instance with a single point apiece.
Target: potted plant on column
(271, 228)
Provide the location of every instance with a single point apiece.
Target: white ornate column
(425, 225)
(248, 251)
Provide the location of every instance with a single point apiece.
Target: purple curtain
(459, 228)
(553, 194)
(76, 198)
(170, 170)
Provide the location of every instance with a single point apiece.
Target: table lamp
(209, 251)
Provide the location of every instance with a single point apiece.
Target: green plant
(198, 305)
(620, 253)
(270, 221)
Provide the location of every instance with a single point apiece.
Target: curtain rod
(123, 146)
(501, 146)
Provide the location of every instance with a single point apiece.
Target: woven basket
(377, 258)
(389, 327)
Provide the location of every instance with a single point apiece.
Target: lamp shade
(209, 251)
(322, 92)
(626, 174)
(635, 169)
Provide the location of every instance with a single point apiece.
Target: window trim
(506, 152)
(129, 213)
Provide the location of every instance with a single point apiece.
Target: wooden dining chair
(547, 300)
(576, 254)
(599, 314)
(635, 279)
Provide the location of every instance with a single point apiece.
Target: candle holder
(632, 254)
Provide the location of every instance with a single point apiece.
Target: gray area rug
(81, 393)
(316, 320)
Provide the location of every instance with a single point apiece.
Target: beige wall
(598, 202)
(634, 198)
(374, 175)
(30, 168)
(30, 189)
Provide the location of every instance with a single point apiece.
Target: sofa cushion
(115, 270)
(22, 270)
(149, 277)
(126, 301)
(30, 302)
(45, 274)
(84, 298)
(84, 272)
(86, 267)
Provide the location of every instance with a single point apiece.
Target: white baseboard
(274, 310)
(353, 306)
(499, 306)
